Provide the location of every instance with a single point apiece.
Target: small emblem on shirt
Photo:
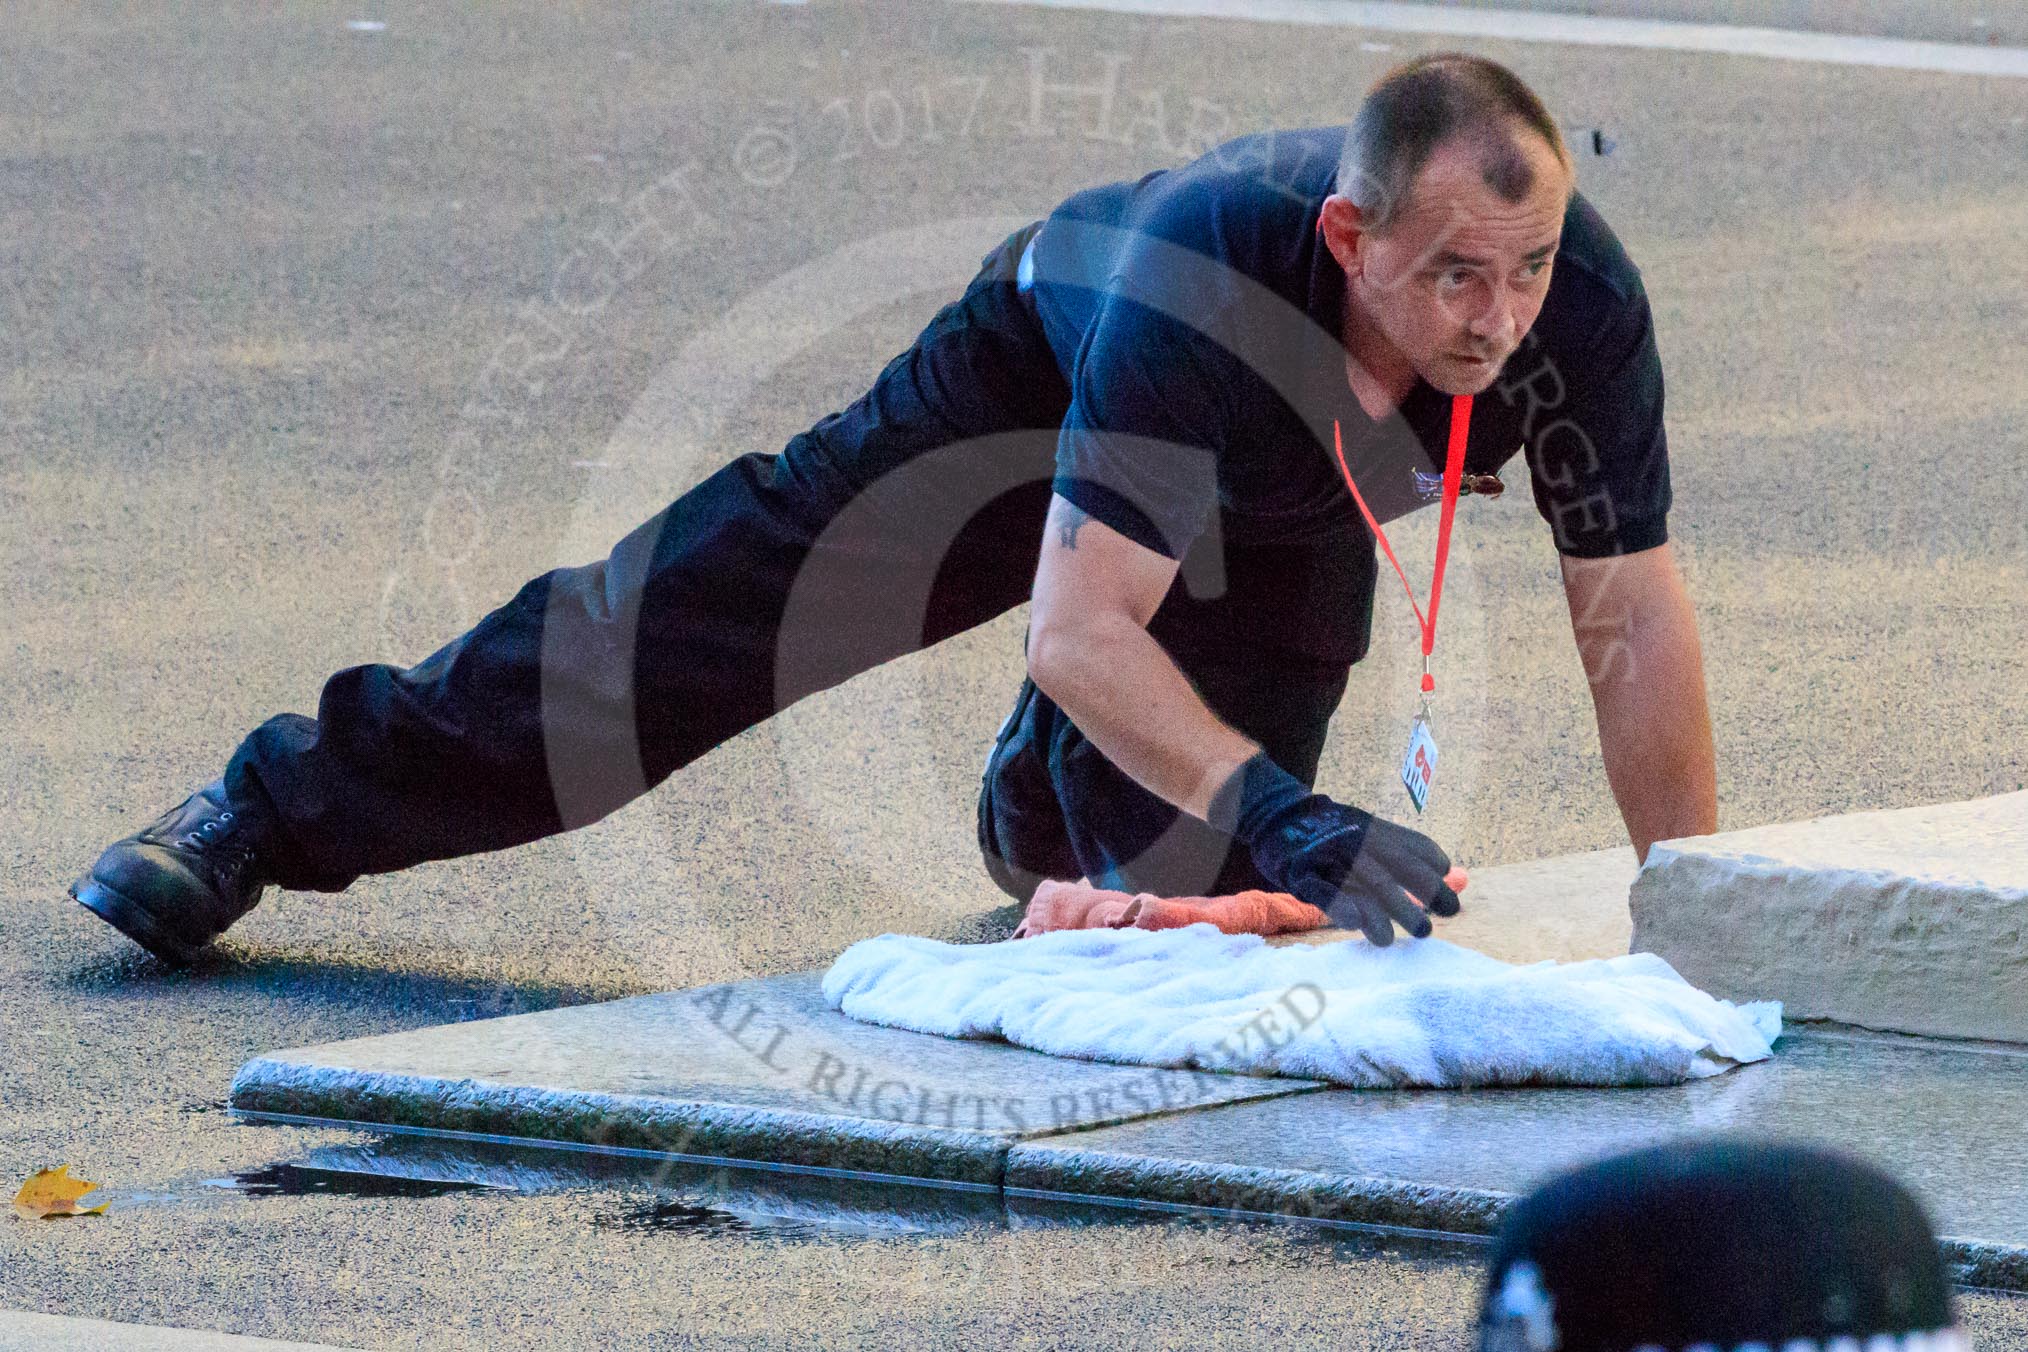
(1430, 487)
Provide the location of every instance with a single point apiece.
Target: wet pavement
(303, 368)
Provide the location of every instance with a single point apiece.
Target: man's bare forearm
(1654, 724)
(1129, 698)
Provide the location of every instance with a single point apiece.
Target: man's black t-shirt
(1196, 313)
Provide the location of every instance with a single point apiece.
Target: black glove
(1348, 863)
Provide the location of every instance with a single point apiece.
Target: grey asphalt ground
(304, 366)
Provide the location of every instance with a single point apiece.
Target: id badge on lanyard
(1419, 761)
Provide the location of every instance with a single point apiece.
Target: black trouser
(1052, 807)
(911, 516)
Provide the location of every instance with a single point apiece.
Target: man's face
(1455, 281)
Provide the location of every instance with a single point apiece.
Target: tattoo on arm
(1073, 520)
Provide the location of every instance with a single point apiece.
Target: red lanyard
(1454, 478)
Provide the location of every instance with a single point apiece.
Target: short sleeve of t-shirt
(1599, 463)
(1149, 416)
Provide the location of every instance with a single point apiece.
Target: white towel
(1420, 1014)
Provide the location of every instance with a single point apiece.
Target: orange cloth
(1079, 905)
(1062, 906)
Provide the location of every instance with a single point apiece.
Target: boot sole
(127, 916)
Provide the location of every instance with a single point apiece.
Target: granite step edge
(1716, 870)
(735, 1133)
(1047, 1168)
(1042, 1169)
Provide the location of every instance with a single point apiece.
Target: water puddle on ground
(687, 1218)
(295, 1180)
(689, 1200)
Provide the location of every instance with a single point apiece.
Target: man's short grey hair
(1429, 102)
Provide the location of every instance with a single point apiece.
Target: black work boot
(178, 883)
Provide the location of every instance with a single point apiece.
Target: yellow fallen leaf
(53, 1192)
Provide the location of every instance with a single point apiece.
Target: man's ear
(1343, 228)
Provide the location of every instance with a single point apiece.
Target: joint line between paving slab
(630, 1152)
(1180, 1110)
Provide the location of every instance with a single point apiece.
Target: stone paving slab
(1944, 1117)
(23, 1331)
(759, 1071)
(764, 1073)
(1913, 920)
(1568, 908)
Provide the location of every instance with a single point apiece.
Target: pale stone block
(1914, 920)
(1566, 908)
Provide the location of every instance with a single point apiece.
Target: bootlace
(220, 841)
